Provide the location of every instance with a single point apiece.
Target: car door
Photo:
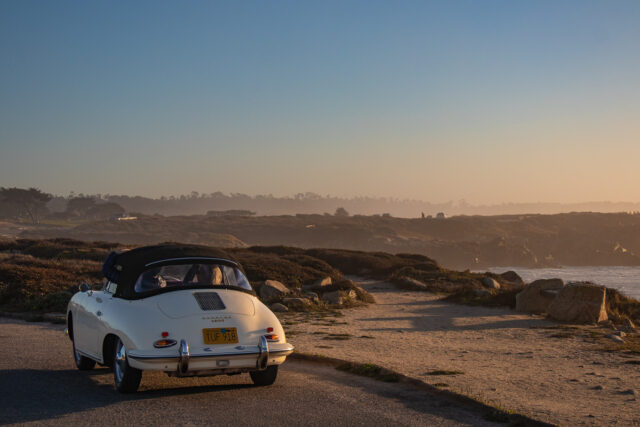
(83, 324)
(101, 307)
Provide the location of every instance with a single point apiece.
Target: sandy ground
(507, 358)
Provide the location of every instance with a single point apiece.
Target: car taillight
(165, 334)
(164, 343)
(272, 337)
(269, 329)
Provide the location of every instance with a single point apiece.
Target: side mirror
(84, 287)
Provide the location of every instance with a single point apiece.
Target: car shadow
(28, 395)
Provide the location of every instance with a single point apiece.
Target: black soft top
(124, 268)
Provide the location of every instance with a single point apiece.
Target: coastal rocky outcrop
(581, 302)
(538, 295)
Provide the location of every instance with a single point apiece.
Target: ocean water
(624, 279)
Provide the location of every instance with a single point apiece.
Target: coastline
(625, 279)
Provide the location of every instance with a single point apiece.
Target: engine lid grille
(209, 301)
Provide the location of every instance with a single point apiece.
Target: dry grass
(620, 307)
(631, 344)
(444, 372)
(370, 370)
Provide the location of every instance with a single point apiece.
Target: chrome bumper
(262, 352)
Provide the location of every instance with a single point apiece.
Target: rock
(481, 292)
(312, 296)
(534, 298)
(491, 283)
(579, 303)
(318, 284)
(629, 391)
(278, 308)
(598, 387)
(628, 326)
(512, 277)
(615, 338)
(296, 303)
(621, 334)
(334, 298)
(272, 289)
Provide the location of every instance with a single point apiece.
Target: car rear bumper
(184, 363)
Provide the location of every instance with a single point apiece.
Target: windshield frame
(192, 260)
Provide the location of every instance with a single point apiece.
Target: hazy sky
(490, 101)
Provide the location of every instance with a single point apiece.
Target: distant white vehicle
(185, 310)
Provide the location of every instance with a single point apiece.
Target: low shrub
(620, 307)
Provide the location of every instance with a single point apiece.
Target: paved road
(39, 384)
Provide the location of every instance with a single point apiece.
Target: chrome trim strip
(191, 258)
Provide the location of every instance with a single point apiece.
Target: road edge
(489, 412)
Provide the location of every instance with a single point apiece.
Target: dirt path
(506, 358)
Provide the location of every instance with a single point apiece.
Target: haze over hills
(311, 203)
(461, 242)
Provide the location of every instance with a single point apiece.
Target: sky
(488, 101)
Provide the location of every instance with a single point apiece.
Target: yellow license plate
(220, 335)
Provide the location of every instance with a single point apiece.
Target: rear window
(177, 276)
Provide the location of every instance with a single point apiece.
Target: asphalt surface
(39, 384)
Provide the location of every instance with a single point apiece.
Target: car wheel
(266, 377)
(83, 363)
(126, 378)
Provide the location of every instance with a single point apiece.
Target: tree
(79, 206)
(341, 212)
(108, 210)
(19, 203)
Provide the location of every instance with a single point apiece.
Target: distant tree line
(31, 205)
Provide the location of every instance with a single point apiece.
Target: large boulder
(536, 296)
(579, 303)
(272, 289)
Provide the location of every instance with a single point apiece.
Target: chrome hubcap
(120, 362)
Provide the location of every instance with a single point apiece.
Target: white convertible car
(184, 310)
